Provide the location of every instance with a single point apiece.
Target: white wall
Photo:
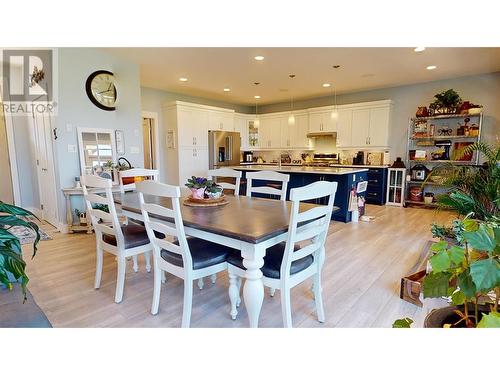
(75, 108)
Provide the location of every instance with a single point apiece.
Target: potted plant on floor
(466, 262)
(12, 265)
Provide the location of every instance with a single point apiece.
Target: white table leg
(253, 291)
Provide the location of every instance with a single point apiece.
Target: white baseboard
(63, 228)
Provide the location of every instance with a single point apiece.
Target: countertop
(300, 169)
(298, 165)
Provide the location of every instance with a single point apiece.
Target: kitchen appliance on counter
(359, 159)
(223, 149)
(248, 156)
(323, 160)
(419, 172)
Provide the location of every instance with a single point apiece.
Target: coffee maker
(359, 159)
(248, 156)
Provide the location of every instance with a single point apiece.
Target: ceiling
(210, 70)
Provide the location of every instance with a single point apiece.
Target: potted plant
(466, 262)
(197, 185)
(213, 191)
(82, 216)
(12, 265)
(446, 102)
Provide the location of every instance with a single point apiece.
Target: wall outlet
(72, 148)
(134, 150)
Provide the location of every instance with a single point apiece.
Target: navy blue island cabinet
(346, 182)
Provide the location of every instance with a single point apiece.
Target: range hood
(321, 134)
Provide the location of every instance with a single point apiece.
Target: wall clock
(101, 89)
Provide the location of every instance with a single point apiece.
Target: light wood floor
(363, 266)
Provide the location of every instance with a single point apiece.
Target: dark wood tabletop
(247, 219)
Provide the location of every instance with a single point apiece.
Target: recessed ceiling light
(431, 67)
(326, 85)
(259, 58)
(419, 49)
(257, 96)
(227, 89)
(182, 79)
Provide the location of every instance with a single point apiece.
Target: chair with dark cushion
(123, 241)
(287, 264)
(187, 258)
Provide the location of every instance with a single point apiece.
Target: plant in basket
(213, 191)
(197, 185)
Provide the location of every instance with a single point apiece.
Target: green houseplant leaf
(483, 239)
(491, 320)
(436, 284)
(402, 323)
(467, 286)
(440, 261)
(485, 273)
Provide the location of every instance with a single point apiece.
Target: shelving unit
(440, 122)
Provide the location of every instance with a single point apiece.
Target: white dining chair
(287, 264)
(136, 172)
(228, 173)
(188, 258)
(123, 241)
(267, 176)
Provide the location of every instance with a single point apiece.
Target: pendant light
(291, 117)
(335, 113)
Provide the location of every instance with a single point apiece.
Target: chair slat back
(103, 222)
(316, 222)
(267, 176)
(136, 172)
(157, 189)
(227, 172)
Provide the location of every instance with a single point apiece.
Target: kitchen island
(347, 179)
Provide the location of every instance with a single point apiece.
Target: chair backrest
(318, 221)
(267, 176)
(157, 230)
(227, 172)
(136, 172)
(110, 223)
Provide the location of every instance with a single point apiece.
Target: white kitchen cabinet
(344, 128)
(378, 135)
(192, 127)
(241, 126)
(298, 132)
(193, 162)
(270, 131)
(221, 121)
(322, 121)
(360, 127)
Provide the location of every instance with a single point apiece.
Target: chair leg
(200, 283)
(157, 275)
(188, 301)
(147, 255)
(213, 278)
(318, 298)
(163, 277)
(135, 267)
(234, 294)
(272, 291)
(120, 279)
(98, 267)
(238, 303)
(286, 309)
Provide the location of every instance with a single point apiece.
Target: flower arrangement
(201, 188)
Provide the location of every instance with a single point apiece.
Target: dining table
(247, 224)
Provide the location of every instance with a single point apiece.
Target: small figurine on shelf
(422, 112)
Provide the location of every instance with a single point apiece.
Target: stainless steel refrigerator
(223, 149)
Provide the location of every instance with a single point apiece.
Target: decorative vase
(215, 195)
(198, 193)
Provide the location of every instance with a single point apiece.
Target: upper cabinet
(322, 121)
(344, 128)
(370, 126)
(221, 120)
(270, 131)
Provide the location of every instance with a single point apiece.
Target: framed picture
(120, 142)
(170, 139)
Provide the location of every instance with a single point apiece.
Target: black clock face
(101, 90)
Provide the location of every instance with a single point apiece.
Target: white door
(379, 127)
(360, 127)
(43, 136)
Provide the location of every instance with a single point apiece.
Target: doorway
(150, 140)
(6, 187)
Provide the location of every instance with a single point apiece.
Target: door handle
(44, 169)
